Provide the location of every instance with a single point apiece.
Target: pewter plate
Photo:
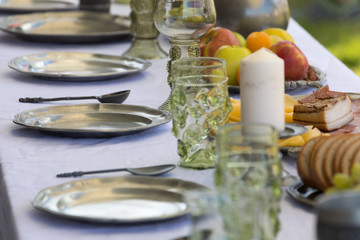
(302, 193)
(130, 199)
(291, 85)
(19, 6)
(92, 120)
(77, 66)
(67, 27)
(291, 151)
(292, 129)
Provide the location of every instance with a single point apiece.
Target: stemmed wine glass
(184, 22)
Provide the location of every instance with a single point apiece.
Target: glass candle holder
(145, 42)
(249, 174)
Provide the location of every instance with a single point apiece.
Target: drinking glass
(145, 42)
(338, 216)
(249, 174)
(200, 104)
(122, 1)
(95, 5)
(184, 22)
(206, 220)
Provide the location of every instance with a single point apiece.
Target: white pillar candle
(262, 89)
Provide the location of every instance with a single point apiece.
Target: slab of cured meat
(354, 125)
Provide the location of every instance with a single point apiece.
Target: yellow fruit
(342, 181)
(233, 55)
(279, 32)
(275, 39)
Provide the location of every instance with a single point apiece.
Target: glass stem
(180, 49)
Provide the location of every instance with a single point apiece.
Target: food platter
(77, 66)
(92, 120)
(291, 85)
(302, 193)
(20, 6)
(130, 199)
(67, 26)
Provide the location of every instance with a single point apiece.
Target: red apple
(296, 63)
(215, 39)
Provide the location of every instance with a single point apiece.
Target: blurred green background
(335, 24)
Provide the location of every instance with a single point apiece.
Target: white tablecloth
(30, 159)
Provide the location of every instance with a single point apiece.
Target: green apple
(241, 39)
(233, 55)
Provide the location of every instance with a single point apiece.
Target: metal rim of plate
(92, 120)
(37, 6)
(100, 66)
(291, 151)
(292, 129)
(79, 199)
(303, 194)
(291, 85)
(90, 27)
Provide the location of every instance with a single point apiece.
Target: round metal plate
(292, 129)
(92, 120)
(302, 193)
(19, 6)
(130, 199)
(77, 66)
(67, 27)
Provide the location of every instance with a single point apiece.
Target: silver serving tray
(92, 120)
(302, 193)
(67, 27)
(19, 6)
(291, 85)
(77, 66)
(130, 199)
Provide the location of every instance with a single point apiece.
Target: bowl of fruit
(233, 47)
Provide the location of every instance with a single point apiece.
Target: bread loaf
(322, 157)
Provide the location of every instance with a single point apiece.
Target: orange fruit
(279, 32)
(257, 40)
